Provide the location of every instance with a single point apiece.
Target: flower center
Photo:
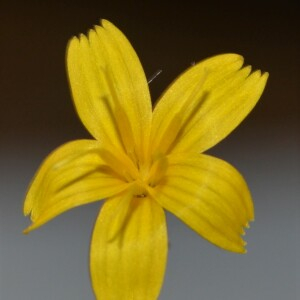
(150, 176)
(142, 176)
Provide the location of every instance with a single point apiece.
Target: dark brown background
(37, 115)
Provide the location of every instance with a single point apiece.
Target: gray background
(37, 115)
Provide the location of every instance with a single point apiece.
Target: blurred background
(37, 115)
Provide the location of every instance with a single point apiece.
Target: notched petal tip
(82, 38)
(245, 227)
(26, 210)
(225, 59)
(71, 42)
(97, 27)
(261, 76)
(245, 251)
(265, 76)
(241, 248)
(104, 22)
(28, 204)
(30, 228)
(26, 231)
(107, 24)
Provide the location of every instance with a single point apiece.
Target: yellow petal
(72, 175)
(132, 264)
(109, 88)
(210, 196)
(207, 101)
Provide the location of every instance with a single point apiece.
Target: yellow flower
(143, 161)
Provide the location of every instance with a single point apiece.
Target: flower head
(142, 161)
